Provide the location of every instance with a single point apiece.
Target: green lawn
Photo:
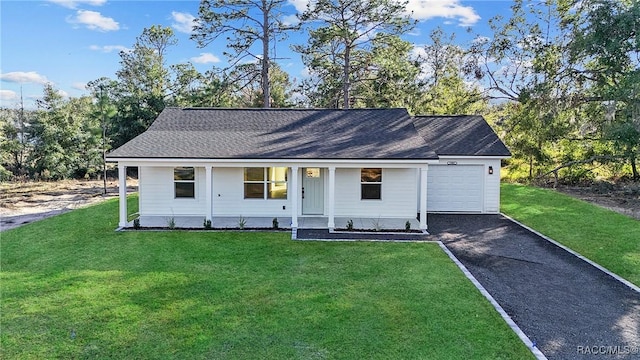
(606, 237)
(196, 295)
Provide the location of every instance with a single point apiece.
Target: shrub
(171, 223)
(242, 222)
(350, 224)
(407, 225)
(207, 223)
(275, 223)
(136, 223)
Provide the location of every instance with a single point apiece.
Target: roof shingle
(212, 133)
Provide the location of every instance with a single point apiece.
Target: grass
(74, 288)
(606, 237)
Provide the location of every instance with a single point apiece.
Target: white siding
(157, 193)
(492, 187)
(228, 197)
(399, 193)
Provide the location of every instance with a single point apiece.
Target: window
(265, 183)
(184, 182)
(371, 184)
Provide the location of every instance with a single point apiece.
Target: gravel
(570, 309)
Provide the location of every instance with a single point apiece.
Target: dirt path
(624, 199)
(22, 203)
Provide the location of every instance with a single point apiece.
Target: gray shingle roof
(279, 134)
(460, 135)
(212, 133)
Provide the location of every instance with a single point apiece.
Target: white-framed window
(371, 184)
(184, 181)
(265, 183)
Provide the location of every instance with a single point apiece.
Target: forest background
(558, 80)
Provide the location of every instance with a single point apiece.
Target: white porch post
(293, 192)
(332, 194)
(122, 188)
(208, 192)
(423, 197)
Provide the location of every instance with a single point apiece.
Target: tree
(104, 111)
(65, 139)
(244, 23)
(607, 42)
(446, 86)
(14, 139)
(144, 82)
(346, 33)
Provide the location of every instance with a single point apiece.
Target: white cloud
(8, 95)
(63, 93)
(24, 77)
(290, 19)
(205, 58)
(300, 5)
(109, 48)
(73, 4)
(93, 20)
(79, 86)
(448, 9)
(183, 22)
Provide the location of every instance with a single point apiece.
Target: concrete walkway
(570, 309)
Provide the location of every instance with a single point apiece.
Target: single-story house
(368, 163)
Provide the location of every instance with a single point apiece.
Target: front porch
(304, 222)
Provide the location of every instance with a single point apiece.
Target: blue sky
(71, 42)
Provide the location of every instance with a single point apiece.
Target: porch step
(324, 234)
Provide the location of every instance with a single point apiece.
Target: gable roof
(466, 135)
(214, 133)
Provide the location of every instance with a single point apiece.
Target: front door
(312, 191)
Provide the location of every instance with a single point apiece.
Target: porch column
(332, 194)
(293, 192)
(423, 197)
(208, 191)
(122, 188)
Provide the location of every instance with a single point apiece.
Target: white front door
(312, 191)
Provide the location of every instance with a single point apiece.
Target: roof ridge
(281, 109)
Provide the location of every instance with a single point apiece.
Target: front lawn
(74, 288)
(606, 237)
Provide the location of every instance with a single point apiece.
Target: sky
(70, 42)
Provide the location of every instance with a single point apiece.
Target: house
(297, 163)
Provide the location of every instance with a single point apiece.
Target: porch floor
(315, 222)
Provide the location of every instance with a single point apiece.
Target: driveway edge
(514, 327)
(624, 281)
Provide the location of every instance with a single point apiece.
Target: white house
(370, 163)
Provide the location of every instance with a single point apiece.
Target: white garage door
(455, 188)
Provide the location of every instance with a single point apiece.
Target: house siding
(399, 191)
(157, 193)
(228, 197)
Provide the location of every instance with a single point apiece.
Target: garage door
(455, 188)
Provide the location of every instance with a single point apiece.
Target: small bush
(207, 223)
(350, 224)
(136, 224)
(275, 223)
(242, 222)
(407, 225)
(171, 223)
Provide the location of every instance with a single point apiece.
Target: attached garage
(455, 188)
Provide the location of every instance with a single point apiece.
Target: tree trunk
(634, 168)
(266, 94)
(345, 77)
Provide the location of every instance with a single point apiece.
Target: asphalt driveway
(570, 309)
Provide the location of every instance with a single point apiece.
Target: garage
(455, 188)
